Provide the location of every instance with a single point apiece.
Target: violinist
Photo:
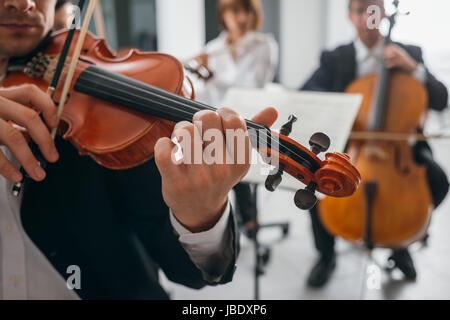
(240, 56)
(118, 227)
(338, 68)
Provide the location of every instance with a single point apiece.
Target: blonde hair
(254, 7)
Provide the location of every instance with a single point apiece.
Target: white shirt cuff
(420, 74)
(212, 250)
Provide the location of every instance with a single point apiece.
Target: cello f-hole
(399, 156)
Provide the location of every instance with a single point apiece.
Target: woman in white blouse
(240, 56)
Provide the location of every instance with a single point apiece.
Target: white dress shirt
(368, 60)
(255, 65)
(25, 273)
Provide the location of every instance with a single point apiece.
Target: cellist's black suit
(337, 70)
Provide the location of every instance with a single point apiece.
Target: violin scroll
(335, 176)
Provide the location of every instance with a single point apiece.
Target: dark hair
(252, 6)
(60, 3)
(350, 2)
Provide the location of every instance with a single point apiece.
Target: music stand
(262, 253)
(316, 111)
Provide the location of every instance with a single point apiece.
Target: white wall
(428, 26)
(306, 28)
(181, 32)
(181, 27)
(339, 30)
(302, 37)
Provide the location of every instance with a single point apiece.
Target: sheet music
(330, 113)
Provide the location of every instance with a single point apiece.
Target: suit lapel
(348, 65)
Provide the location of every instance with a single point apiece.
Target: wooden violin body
(392, 207)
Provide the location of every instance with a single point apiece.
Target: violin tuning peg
(286, 129)
(274, 180)
(305, 199)
(319, 142)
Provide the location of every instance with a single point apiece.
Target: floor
(357, 276)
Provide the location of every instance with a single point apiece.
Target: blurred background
(303, 28)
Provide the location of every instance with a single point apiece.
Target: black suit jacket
(338, 69)
(114, 225)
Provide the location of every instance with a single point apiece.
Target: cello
(392, 209)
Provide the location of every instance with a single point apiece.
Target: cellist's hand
(196, 188)
(397, 57)
(14, 108)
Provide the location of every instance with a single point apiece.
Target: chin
(19, 46)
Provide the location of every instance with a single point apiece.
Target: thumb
(266, 117)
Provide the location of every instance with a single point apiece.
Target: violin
(195, 66)
(393, 207)
(118, 107)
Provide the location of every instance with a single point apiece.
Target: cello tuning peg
(286, 129)
(305, 199)
(319, 142)
(274, 179)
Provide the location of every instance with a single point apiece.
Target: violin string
(183, 103)
(187, 103)
(184, 115)
(179, 99)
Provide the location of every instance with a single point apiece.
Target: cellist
(115, 226)
(338, 68)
